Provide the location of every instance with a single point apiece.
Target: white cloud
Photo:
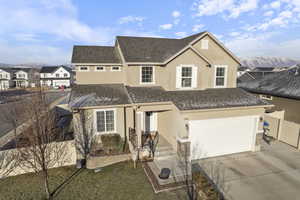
(231, 8)
(176, 21)
(176, 14)
(275, 4)
(131, 19)
(269, 13)
(282, 20)
(181, 34)
(234, 34)
(197, 27)
(166, 26)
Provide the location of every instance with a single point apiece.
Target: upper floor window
(204, 44)
(100, 68)
(105, 120)
(115, 68)
(21, 75)
(220, 76)
(83, 68)
(186, 76)
(57, 75)
(65, 75)
(147, 74)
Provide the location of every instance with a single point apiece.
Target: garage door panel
(215, 137)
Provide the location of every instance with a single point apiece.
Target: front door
(150, 121)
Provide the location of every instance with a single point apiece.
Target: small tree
(39, 147)
(84, 133)
(8, 162)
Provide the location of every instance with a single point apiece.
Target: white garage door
(215, 137)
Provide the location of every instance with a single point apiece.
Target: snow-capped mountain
(268, 62)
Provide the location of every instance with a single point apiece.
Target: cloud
(131, 19)
(234, 34)
(197, 27)
(231, 8)
(181, 34)
(269, 13)
(275, 4)
(282, 20)
(166, 26)
(176, 14)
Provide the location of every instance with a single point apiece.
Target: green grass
(119, 181)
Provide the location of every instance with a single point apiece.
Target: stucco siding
(218, 56)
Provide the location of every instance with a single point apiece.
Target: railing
(133, 138)
(148, 136)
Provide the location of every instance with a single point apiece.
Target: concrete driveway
(271, 174)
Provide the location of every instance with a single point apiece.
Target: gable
(216, 52)
(61, 70)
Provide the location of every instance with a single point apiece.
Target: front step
(163, 152)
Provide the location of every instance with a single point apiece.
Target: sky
(44, 31)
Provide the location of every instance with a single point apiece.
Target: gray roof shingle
(98, 95)
(147, 49)
(283, 84)
(95, 54)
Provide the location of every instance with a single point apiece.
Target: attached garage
(216, 137)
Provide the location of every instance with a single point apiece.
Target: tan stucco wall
(100, 77)
(218, 56)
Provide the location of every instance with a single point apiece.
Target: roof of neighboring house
(95, 54)
(252, 75)
(264, 69)
(282, 84)
(51, 69)
(196, 99)
(149, 49)
(6, 69)
(98, 95)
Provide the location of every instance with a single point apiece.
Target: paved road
(271, 174)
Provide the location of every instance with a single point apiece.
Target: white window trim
(95, 120)
(153, 75)
(113, 70)
(88, 68)
(264, 96)
(225, 76)
(99, 70)
(204, 44)
(187, 88)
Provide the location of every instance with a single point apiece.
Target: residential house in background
(182, 91)
(6, 76)
(25, 77)
(282, 89)
(56, 76)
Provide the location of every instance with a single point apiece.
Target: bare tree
(8, 162)
(39, 147)
(84, 133)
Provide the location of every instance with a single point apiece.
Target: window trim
(205, 45)
(100, 70)
(88, 69)
(225, 76)
(113, 70)
(153, 75)
(264, 96)
(95, 120)
(188, 88)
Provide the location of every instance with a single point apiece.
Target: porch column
(139, 127)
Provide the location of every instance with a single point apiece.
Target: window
(65, 75)
(220, 76)
(105, 121)
(83, 68)
(57, 75)
(147, 75)
(100, 68)
(186, 77)
(266, 97)
(115, 68)
(204, 44)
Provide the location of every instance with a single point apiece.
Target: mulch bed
(155, 184)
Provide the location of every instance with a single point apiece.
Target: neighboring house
(182, 89)
(55, 76)
(282, 89)
(6, 76)
(25, 77)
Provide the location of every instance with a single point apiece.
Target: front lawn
(119, 181)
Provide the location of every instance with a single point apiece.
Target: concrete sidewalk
(271, 174)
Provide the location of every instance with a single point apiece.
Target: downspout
(125, 129)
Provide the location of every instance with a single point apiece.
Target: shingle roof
(283, 84)
(98, 95)
(95, 54)
(147, 49)
(196, 99)
(51, 69)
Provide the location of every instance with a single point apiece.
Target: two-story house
(25, 77)
(6, 75)
(183, 90)
(55, 76)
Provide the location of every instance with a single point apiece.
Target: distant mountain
(268, 62)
